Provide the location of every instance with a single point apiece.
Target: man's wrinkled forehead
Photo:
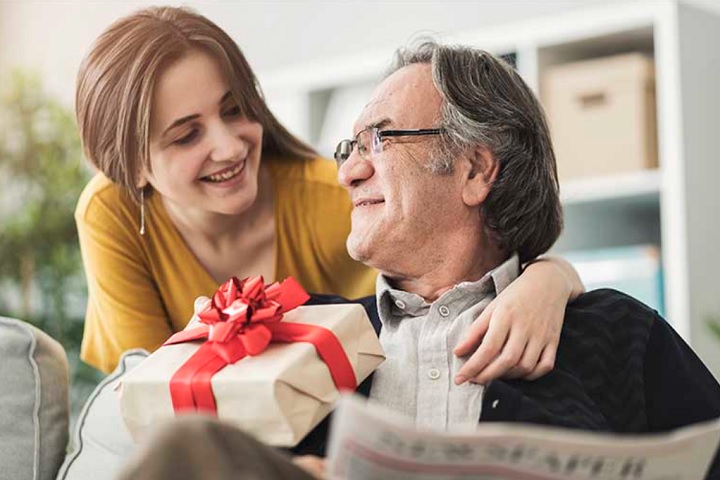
(406, 99)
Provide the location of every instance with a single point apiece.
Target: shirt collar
(494, 281)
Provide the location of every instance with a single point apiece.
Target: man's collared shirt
(416, 379)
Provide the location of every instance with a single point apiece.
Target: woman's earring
(142, 212)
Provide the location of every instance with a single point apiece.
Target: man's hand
(315, 466)
(517, 334)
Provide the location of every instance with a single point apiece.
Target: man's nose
(226, 143)
(355, 170)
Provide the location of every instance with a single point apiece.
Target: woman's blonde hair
(116, 79)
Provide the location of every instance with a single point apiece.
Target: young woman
(198, 182)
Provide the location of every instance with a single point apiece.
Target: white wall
(52, 36)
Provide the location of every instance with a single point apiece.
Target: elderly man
(453, 180)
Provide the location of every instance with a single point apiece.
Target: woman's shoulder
(101, 195)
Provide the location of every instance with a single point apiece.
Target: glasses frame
(345, 148)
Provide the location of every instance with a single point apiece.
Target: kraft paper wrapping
(278, 396)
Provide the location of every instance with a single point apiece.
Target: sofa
(35, 443)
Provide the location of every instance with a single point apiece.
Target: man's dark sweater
(619, 368)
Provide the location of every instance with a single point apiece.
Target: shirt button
(434, 374)
(444, 311)
(400, 304)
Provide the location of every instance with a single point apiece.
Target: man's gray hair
(486, 103)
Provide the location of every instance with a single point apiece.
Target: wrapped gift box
(277, 396)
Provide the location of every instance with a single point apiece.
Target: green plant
(713, 324)
(41, 176)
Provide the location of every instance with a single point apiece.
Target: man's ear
(483, 171)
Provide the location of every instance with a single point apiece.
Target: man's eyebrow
(188, 118)
(377, 124)
(385, 122)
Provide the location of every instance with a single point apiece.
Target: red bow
(242, 319)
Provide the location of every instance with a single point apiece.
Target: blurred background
(630, 88)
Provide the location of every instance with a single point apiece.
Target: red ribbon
(242, 319)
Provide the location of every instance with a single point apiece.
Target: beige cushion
(101, 442)
(34, 402)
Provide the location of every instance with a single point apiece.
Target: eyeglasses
(369, 141)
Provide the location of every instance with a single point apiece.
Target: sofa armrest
(34, 400)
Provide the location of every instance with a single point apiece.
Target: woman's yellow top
(141, 289)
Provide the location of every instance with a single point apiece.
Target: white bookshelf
(626, 187)
(674, 207)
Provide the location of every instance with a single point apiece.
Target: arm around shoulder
(517, 335)
(553, 266)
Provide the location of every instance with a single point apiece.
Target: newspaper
(368, 443)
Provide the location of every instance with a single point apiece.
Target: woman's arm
(517, 334)
(556, 263)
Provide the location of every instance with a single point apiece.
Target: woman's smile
(226, 174)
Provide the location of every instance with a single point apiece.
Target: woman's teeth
(221, 177)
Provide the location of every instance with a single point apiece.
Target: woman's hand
(315, 466)
(200, 303)
(517, 334)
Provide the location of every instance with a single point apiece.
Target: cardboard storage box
(602, 115)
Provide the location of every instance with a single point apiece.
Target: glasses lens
(376, 141)
(369, 143)
(343, 151)
(363, 139)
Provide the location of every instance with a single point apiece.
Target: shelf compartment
(642, 186)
